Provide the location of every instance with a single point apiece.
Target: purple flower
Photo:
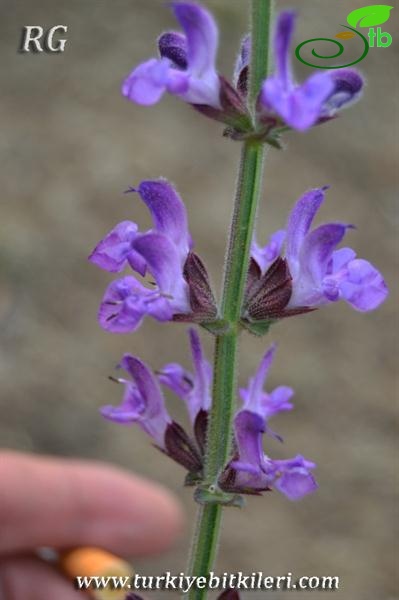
(167, 209)
(142, 403)
(320, 273)
(195, 389)
(293, 478)
(266, 255)
(116, 250)
(161, 251)
(252, 471)
(187, 65)
(261, 403)
(315, 100)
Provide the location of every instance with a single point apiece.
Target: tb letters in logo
(367, 17)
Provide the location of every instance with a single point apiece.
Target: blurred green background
(70, 145)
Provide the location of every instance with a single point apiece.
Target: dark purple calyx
(227, 483)
(267, 295)
(182, 449)
(202, 300)
(200, 429)
(242, 81)
(233, 111)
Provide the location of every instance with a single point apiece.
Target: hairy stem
(206, 537)
(204, 545)
(224, 377)
(261, 17)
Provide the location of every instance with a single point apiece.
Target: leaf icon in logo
(369, 16)
(345, 35)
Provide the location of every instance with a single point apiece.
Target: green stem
(206, 537)
(224, 377)
(261, 18)
(204, 545)
(241, 232)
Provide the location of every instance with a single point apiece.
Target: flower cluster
(143, 403)
(313, 271)
(250, 471)
(300, 269)
(186, 68)
(180, 284)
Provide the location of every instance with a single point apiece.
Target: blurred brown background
(70, 145)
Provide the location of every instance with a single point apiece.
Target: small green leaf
(217, 326)
(274, 141)
(204, 495)
(258, 328)
(369, 16)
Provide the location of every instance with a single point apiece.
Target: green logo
(366, 17)
(369, 16)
